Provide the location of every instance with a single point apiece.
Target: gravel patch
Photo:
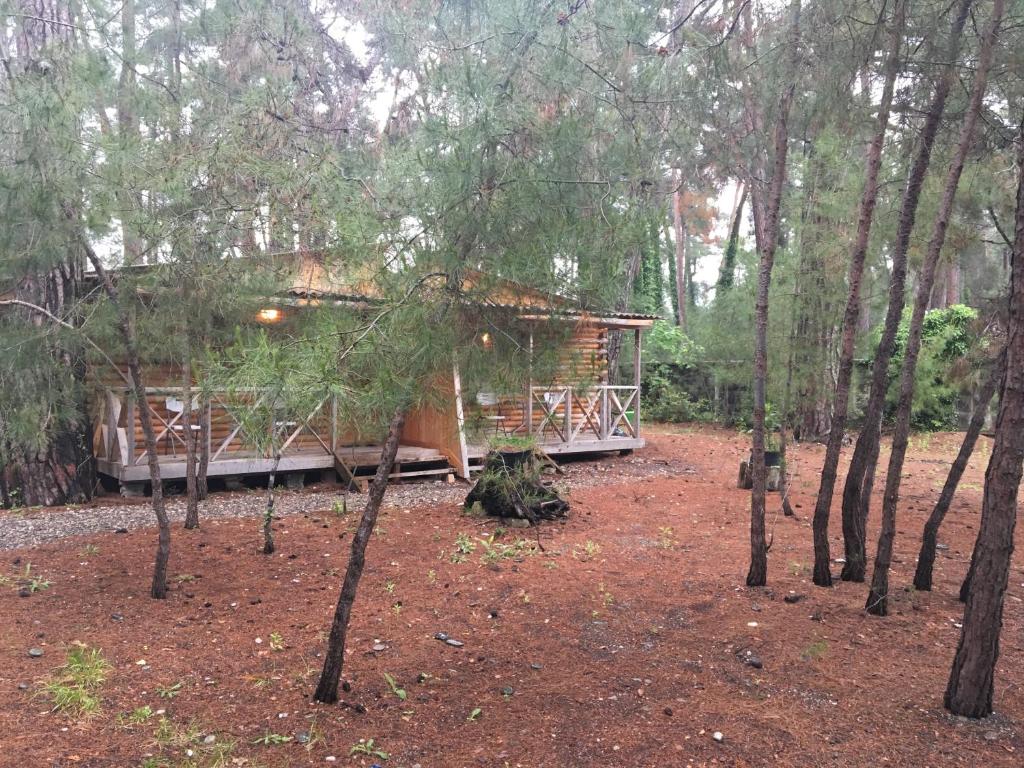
(29, 528)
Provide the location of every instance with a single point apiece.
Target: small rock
(379, 647)
(718, 736)
(330, 758)
(209, 739)
(302, 737)
(507, 690)
(991, 736)
(22, 686)
(117, 617)
(120, 530)
(454, 643)
(346, 686)
(536, 666)
(792, 599)
(753, 661)
(667, 711)
(942, 546)
(24, 592)
(35, 653)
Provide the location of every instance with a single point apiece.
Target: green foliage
(368, 747)
(671, 359)
(73, 688)
(396, 689)
(951, 347)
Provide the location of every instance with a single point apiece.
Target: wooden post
(334, 423)
(529, 388)
(568, 414)
(636, 382)
(130, 427)
(604, 411)
(460, 421)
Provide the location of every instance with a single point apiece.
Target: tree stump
(510, 487)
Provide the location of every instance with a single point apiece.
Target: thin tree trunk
(191, 491)
(268, 512)
(860, 474)
(727, 272)
(766, 229)
(929, 539)
(971, 680)
(823, 506)
(877, 601)
(202, 487)
(163, 550)
(327, 688)
(679, 230)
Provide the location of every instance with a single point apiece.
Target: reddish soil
(628, 651)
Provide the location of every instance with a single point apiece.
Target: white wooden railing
(589, 413)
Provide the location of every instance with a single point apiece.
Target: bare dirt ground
(626, 642)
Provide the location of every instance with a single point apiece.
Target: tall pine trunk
(767, 222)
(822, 557)
(327, 688)
(929, 538)
(679, 232)
(877, 601)
(971, 680)
(158, 590)
(191, 486)
(860, 474)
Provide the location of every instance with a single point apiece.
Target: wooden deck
(411, 461)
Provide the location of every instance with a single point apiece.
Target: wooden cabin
(448, 438)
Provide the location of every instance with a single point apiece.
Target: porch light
(269, 315)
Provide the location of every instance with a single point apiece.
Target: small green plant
(340, 507)
(464, 547)
(667, 541)
(588, 551)
(31, 582)
(431, 576)
(814, 651)
(396, 608)
(184, 578)
(169, 691)
(369, 748)
(495, 551)
(474, 715)
(389, 587)
(276, 641)
(74, 687)
(89, 550)
(137, 716)
(269, 739)
(395, 689)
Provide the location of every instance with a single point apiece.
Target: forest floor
(628, 641)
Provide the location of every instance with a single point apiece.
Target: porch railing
(116, 425)
(574, 414)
